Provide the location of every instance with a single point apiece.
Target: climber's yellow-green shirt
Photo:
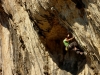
(66, 43)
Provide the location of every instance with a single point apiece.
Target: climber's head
(69, 35)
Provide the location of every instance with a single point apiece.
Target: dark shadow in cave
(69, 61)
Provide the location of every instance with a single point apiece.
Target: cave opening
(52, 37)
(66, 60)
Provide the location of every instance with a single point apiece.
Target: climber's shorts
(72, 45)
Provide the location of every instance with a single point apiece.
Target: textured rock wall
(32, 32)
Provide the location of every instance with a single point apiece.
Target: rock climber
(71, 44)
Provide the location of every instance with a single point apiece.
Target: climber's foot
(81, 53)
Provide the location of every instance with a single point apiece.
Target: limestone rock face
(32, 33)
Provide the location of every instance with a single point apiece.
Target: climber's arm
(69, 39)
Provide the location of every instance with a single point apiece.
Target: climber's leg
(73, 46)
